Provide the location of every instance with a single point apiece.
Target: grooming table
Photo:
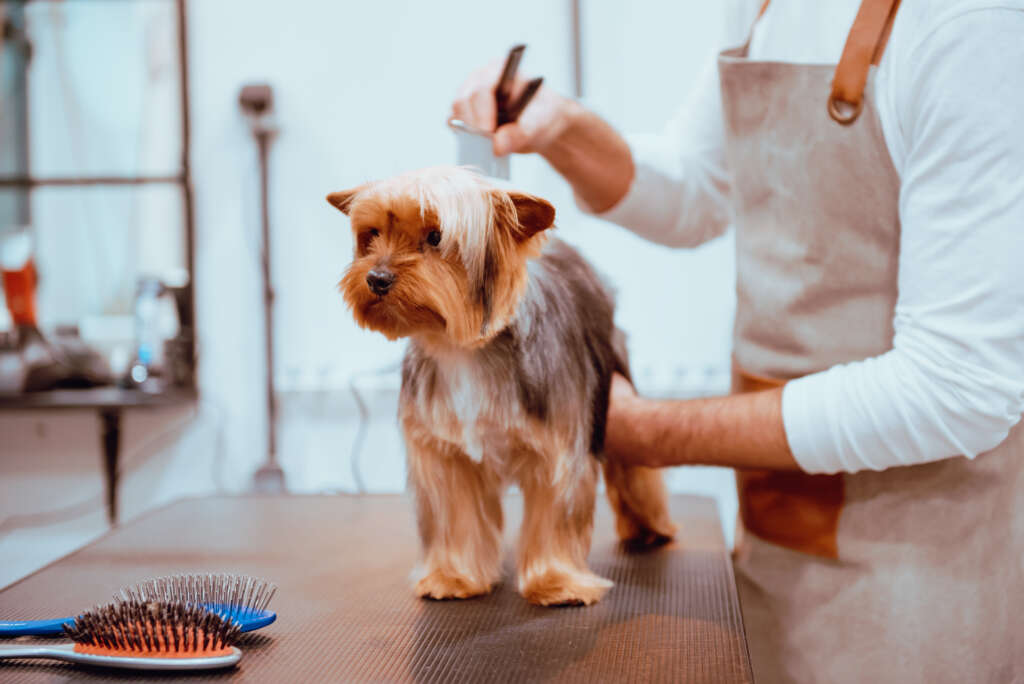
(346, 611)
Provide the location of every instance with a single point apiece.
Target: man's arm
(590, 154)
(953, 383)
(742, 431)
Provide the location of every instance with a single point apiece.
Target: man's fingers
(510, 138)
(484, 77)
(483, 110)
(460, 110)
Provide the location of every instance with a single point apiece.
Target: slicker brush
(240, 598)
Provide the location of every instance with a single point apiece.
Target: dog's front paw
(562, 588)
(440, 584)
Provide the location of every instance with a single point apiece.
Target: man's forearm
(593, 157)
(739, 431)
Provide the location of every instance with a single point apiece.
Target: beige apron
(914, 574)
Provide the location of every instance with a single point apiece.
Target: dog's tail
(637, 494)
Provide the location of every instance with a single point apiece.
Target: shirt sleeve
(953, 382)
(679, 195)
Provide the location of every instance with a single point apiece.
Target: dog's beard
(415, 304)
(395, 319)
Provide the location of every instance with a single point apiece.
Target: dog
(506, 378)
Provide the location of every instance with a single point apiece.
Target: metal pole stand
(256, 102)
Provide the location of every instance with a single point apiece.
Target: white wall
(362, 91)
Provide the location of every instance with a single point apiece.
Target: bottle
(148, 337)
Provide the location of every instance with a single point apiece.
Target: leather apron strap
(864, 46)
(796, 510)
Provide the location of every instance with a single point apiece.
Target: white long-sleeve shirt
(950, 95)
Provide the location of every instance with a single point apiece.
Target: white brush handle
(66, 652)
(60, 652)
(57, 652)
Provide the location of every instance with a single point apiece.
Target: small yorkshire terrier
(512, 348)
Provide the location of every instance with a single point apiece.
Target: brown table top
(346, 611)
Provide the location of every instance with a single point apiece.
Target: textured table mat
(346, 612)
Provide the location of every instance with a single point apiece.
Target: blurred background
(131, 212)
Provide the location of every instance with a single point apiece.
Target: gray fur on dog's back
(555, 359)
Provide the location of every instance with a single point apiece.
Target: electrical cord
(357, 443)
(217, 462)
(364, 418)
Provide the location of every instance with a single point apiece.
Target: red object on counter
(20, 293)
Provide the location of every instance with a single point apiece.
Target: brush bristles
(235, 596)
(155, 628)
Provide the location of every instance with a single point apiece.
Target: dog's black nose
(380, 281)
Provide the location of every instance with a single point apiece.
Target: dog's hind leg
(640, 501)
(458, 508)
(558, 521)
(636, 494)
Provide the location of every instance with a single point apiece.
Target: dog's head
(439, 253)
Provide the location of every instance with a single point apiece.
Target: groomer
(871, 159)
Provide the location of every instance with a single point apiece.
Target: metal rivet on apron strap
(844, 112)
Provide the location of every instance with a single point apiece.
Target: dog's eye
(365, 238)
(434, 238)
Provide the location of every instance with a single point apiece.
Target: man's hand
(741, 431)
(546, 117)
(584, 149)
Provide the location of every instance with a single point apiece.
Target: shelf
(96, 398)
(59, 181)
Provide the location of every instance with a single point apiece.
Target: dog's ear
(533, 214)
(342, 199)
